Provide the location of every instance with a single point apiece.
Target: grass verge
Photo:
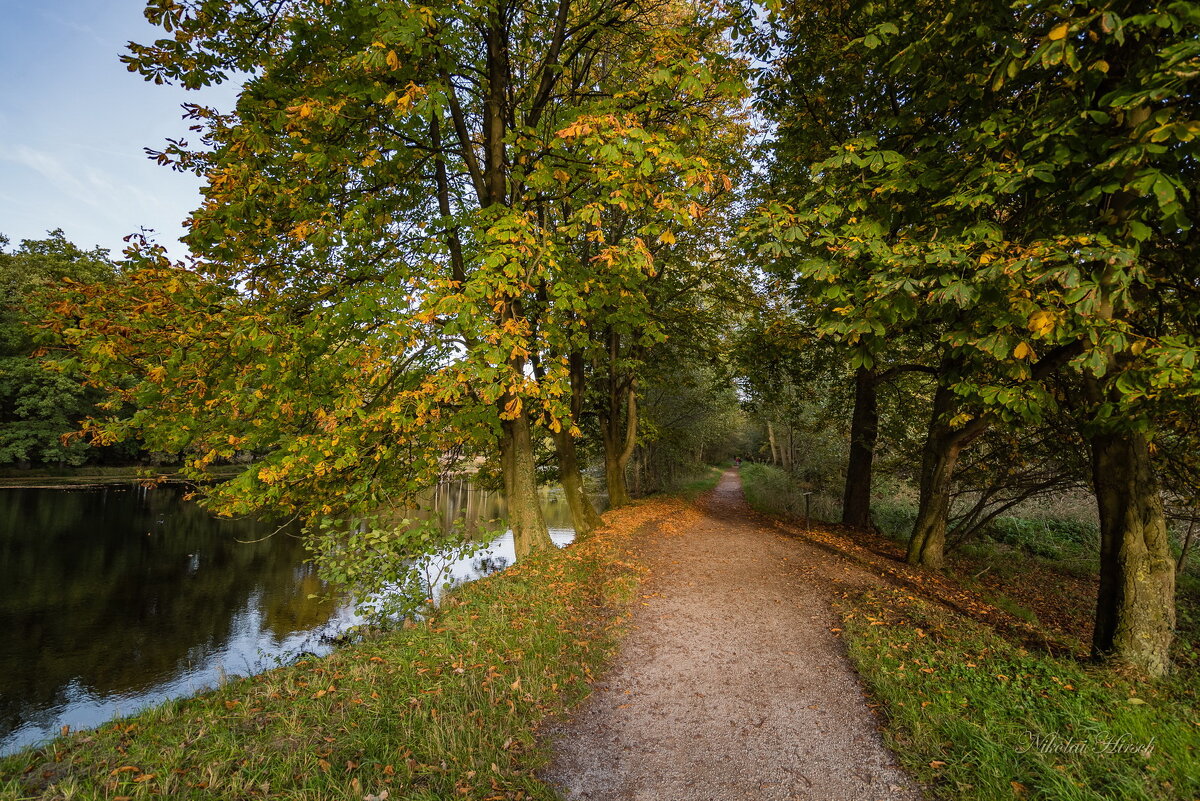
(445, 709)
(701, 484)
(975, 717)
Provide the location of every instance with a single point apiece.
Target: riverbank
(443, 709)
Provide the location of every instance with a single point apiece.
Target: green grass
(439, 710)
(1012, 607)
(702, 483)
(978, 718)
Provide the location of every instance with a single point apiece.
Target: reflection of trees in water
(486, 565)
(119, 586)
(479, 510)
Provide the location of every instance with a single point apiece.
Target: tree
(387, 259)
(39, 406)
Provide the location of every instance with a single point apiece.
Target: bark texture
(618, 448)
(583, 512)
(619, 440)
(520, 488)
(1135, 609)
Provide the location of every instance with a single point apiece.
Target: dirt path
(730, 685)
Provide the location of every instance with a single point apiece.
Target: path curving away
(729, 685)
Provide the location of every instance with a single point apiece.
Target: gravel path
(730, 684)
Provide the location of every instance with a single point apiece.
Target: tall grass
(772, 490)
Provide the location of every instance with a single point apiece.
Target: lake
(115, 598)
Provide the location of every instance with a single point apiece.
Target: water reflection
(114, 598)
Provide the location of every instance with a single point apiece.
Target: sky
(74, 122)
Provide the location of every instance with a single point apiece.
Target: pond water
(116, 598)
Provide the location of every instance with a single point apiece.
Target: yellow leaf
(562, 176)
(667, 238)
(393, 60)
(1022, 351)
(1042, 323)
(1059, 32)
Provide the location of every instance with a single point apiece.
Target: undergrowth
(772, 490)
(443, 709)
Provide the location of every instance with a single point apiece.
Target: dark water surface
(116, 598)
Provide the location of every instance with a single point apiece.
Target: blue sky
(73, 123)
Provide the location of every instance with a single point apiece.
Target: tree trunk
(1135, 609)
(789, 451)
(583, 513)
(618, 443)
(1184, 547)
(938, 459)
(928, 544)
(864, 431)
(520, 488)
(771, 440)
(617, 453)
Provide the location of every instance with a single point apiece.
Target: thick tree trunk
(938, 459)
(928, 544)
(583, 513)
(618, 442)
(617, 451)
(864, 431)
(520, 488)
(1135, 609)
